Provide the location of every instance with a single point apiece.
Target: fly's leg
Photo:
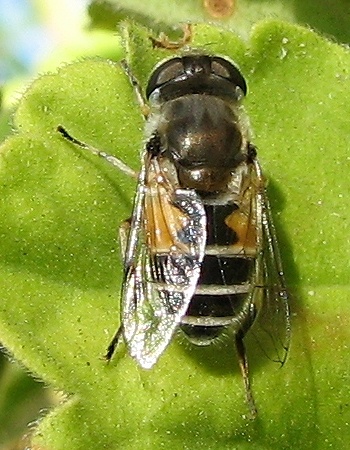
(125, 226)
(116, 162)
(124, 230)
(164, 42)
(123, 238)
(145, 109)
(114, 343)
(243, 364)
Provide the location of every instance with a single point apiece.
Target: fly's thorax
(201, 135)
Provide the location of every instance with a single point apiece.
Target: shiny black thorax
(202, 138)
(198, 130)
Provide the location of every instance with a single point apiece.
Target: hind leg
(243, 364)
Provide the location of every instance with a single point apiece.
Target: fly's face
(200, 251)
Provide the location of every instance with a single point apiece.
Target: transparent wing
(162, 264)
(272, 329)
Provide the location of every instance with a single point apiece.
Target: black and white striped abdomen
(224, 290)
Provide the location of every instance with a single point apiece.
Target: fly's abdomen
(223, 293)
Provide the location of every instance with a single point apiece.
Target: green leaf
(332, 19)
(61, 270)
(4, 119)
(21, 400)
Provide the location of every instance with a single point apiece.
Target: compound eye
(164, 73)
(225, 69)
(220, 70)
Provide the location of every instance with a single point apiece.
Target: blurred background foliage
(38, 35)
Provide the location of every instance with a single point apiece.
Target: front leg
(145, 109)
(116, 162)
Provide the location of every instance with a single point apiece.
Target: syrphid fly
(200, 251)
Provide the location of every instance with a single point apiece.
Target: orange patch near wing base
(245, 229)
(163, 222)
